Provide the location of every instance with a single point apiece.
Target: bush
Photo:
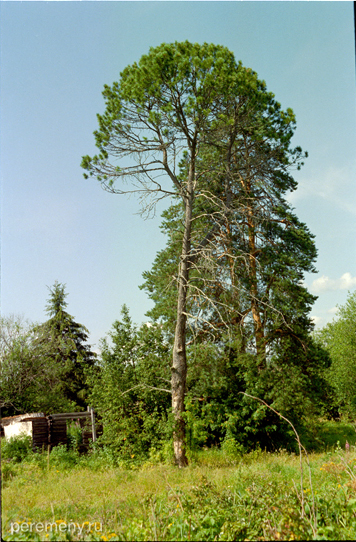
(16, 448)
(8, 470)
(61, 457)
(232, 448)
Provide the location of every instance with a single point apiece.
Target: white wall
(18, 428)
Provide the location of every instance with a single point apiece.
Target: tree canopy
(339, 340)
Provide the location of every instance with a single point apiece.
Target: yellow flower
(103, 537)
(132, 456)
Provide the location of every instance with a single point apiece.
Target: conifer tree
(64, 343)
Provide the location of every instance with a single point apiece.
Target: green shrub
(16, 448)
(8, 470)
(232, 448)
(61, 457)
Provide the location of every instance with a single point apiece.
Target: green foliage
(61, 457)
(23, 369)
(74, 435)
(63, 343)
(232, 448)
(16, 449)
(326, 434)
(296, 374)
(128, 388)
(256, 497)
(339, 339)
(216, 409)
(42, 367)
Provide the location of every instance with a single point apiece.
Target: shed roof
(20, 417)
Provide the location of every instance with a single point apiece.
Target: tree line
(50, 368)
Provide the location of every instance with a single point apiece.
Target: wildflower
(132, 456)
(347, 446)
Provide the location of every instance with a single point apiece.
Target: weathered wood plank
(70, 415)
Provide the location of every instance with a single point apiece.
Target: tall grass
(222, 495)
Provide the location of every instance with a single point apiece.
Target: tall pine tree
(195, 105)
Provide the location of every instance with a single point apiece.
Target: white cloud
(333, 310)
(318, 320)
(333, 184)
(325, 284)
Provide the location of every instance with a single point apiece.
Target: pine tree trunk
(179, 363)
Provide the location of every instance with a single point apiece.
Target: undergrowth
(225, 494)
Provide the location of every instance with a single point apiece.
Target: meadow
(222, 495)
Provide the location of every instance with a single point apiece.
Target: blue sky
(56, 58)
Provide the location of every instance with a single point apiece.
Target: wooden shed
(21, 424)
(48, 431)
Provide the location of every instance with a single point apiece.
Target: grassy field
(256, 496)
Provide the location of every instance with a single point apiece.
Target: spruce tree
(64, 343)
